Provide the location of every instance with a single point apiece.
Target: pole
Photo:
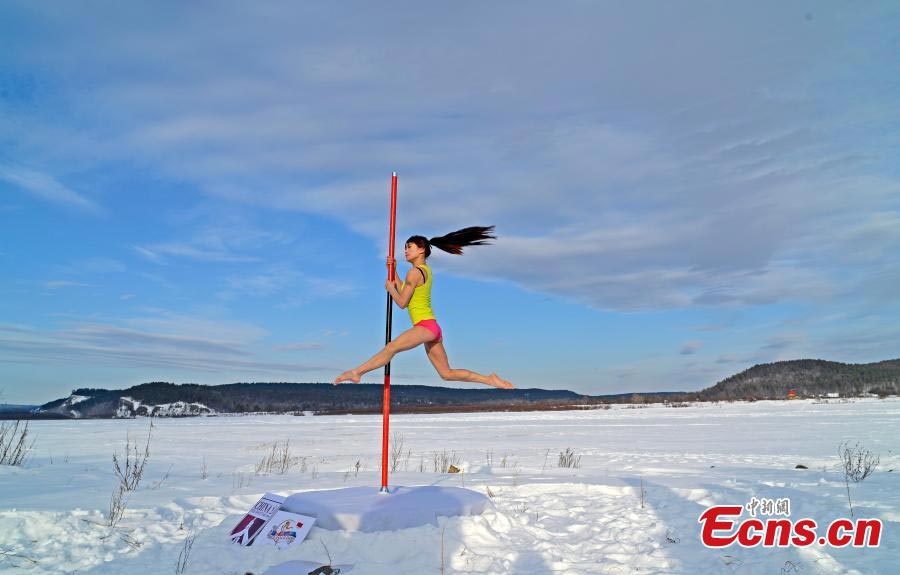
(386, 409)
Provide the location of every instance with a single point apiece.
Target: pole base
(367, 509)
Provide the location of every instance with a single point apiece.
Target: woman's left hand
(387, 285)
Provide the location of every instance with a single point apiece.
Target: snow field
(546, 519)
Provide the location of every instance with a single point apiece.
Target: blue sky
(199, 192)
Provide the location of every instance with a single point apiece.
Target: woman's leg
(406, 340)
(438, 357)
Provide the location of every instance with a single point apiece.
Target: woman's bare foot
(497, 381)
(349, 375)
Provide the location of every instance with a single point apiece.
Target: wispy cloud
(56, 284)
(169, 341)
(158, 280)
(293, 287)
(691, 347)
(46, 187)
(90, 267)
(334, 333)
(214, 235)
(275, 278)
(300, 346)
(677, 191)
(782, 342)
(158, 253)
(148, 254)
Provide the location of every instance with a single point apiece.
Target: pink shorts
(432, 326)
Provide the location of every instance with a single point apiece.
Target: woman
(414, 293)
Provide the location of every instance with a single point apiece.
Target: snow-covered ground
(200, 480)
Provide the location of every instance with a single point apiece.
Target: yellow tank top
(420, 305)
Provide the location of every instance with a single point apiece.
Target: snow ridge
(129, 408)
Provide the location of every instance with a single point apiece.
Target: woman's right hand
(396, 278)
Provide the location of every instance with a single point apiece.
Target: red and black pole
(392, 272)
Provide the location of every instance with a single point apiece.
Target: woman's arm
(402, 295)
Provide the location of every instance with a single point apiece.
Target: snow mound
(129, 408)
(366, 509)
(300, 567)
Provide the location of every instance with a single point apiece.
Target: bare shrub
(158, 483)
(442, 461)
(442, 548)
(568, 458)
(118, 501)
(396, 451)
(406, 460)
(185, 554)
(279, 460)
(327, 552)
(857, 464)
(239, 480)
(129, 472)
(14, 558)
(14, 445)
(354, 470)
(504, 461)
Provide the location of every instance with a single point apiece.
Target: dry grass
(185, 554)
(279, 460)
(442, 461)
(857, 464)
(130, 472)
(568, 458)
(14, 445)
(396, 454)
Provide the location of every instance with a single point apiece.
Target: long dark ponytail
(454, 242)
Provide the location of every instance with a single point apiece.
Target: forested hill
(193, 399)
(808, 377)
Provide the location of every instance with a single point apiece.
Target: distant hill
(11, 411)
(7, 407)
(808, 377)
(162, 398)
(11, 408)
